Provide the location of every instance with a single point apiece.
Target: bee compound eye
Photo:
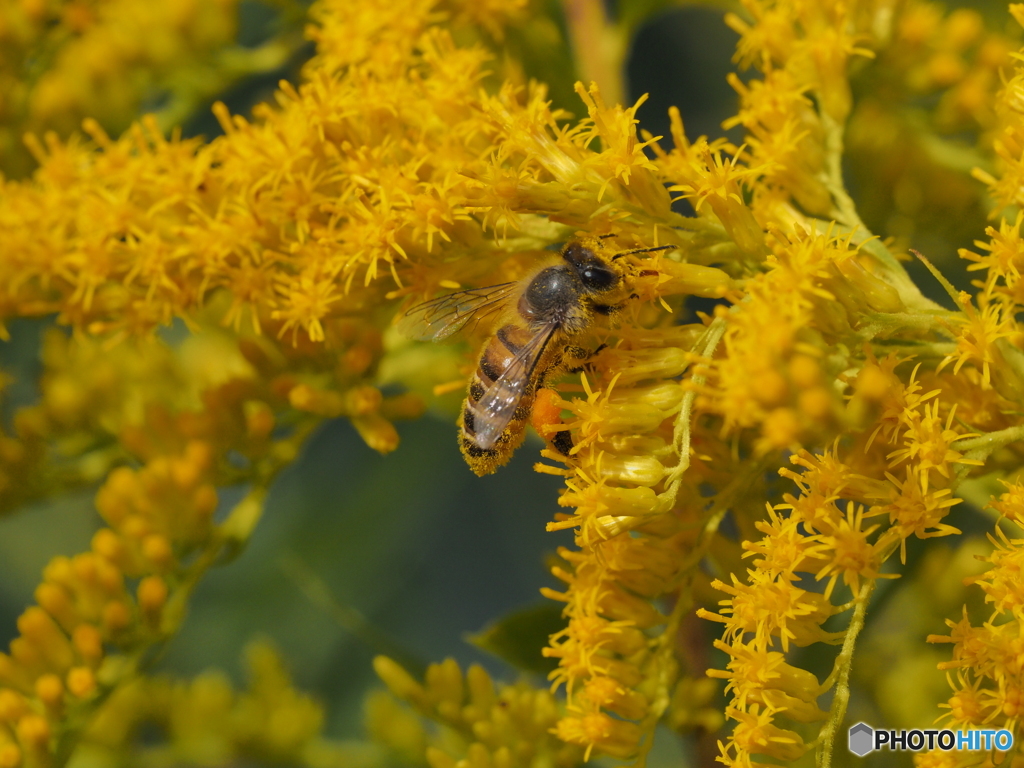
(597, 277)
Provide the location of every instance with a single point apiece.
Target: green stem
(843, 665)
(984, 445)
(347, 617)
(681, 432)
(845, 213)
(980, 448)
(598, 47)
(846, 209)
(665, 670)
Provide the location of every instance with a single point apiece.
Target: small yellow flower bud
(804, 371)
(33, 730)
(399, 682)
(876, 294)
(320, 402)
(945, 68)
(816, 403)
(66, 400)
(617, 738)
(135, 527)
(360, 401)
(445, 683)
(10, 756)
(395, 726)
(205, 500)
(794, 708)
(771, 388)
(259, 419)
(108, 544)
(185, 473)
(50, 690)
(377, 432)
(692, 279)
(56, 601)
(655, 363)
(632, 470)
(38, 628)
(357, 360)
(27, 658)
(200, 453)
(481, 689)
(596, 632)
(608, 693)
(993, 52)
(767, 739)
(438, 759)
(619, 605)
(88, 643)
(780, 429)
(595, 499)
(872, 383)
(112, 500)
(12, 705)
(477, 756)
(81, 682)
(152, 596)
(116, 617)
(157, 549)
(963, 28)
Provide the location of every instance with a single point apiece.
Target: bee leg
(562, 442)
(580, 354)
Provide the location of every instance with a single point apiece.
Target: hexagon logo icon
(861, 739)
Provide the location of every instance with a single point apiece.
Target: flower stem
(844, 663)
(598, 47)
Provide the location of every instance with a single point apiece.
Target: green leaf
(519, 637)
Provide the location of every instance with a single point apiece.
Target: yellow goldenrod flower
(414, 157)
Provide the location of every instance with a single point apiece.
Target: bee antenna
(643, 250)
(602, 237)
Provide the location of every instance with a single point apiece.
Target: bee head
(596, 274)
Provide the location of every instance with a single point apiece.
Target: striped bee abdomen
(494, 360)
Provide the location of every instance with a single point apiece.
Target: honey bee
(537, 321)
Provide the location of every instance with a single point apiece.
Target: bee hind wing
(493, 412)
(440, 318)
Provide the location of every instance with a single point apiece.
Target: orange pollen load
(546, 417)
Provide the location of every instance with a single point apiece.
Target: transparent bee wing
(493, 412)
(440, 318)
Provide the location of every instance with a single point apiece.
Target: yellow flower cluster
(207, 722)
(483, 724)
(776, 372)
(827, 532)
(65, 60)
(909, 161)
(986, 657)
(100, 613)
(632, 549)
(790, 354)
(402, 166)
